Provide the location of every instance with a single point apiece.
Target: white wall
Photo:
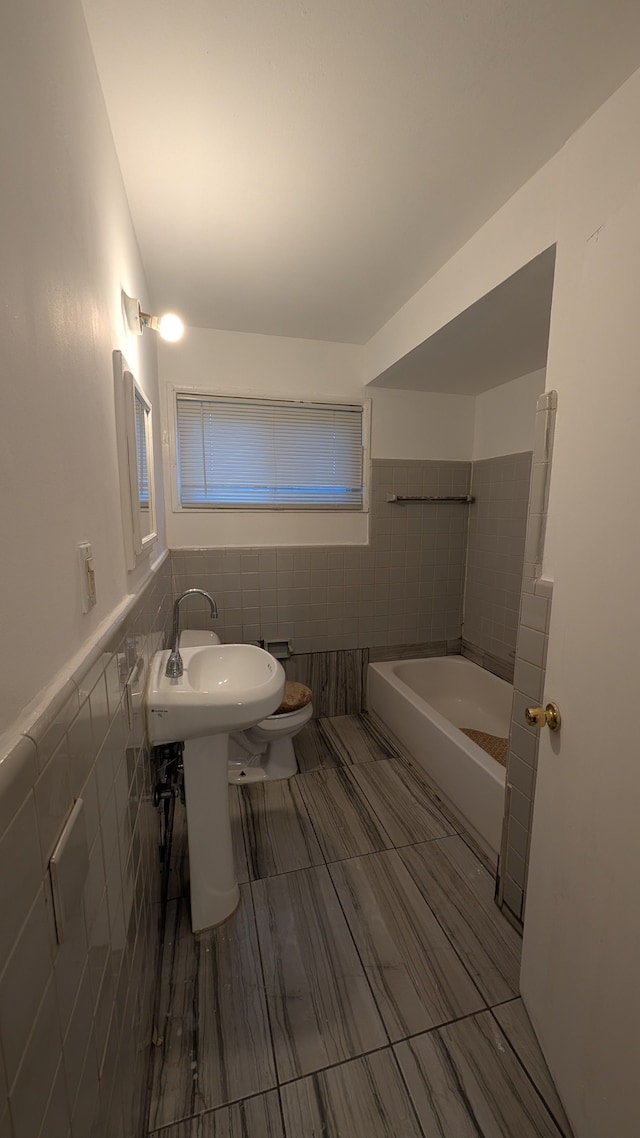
(403, 425)
(505, 417)
(67, 248)
(417, 424)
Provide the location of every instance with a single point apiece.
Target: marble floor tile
(178, 855)
(258, 1117)
(320, 1005)
(237, 834)
(344, 822)
(314, 750)
(400, 802)
(466, 1081)
(278, 833)
(337, 678)
(416, 976)
(365, 1098)
(430, 790)
(454, 820)
(358, 739)
(516, 1025)
(460, 892)
(212, 1021)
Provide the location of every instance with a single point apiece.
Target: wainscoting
(75, 1018)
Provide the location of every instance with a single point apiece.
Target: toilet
(266, 750)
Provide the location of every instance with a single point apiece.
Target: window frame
(171, 408)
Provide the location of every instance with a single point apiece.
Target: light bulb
(171, 327)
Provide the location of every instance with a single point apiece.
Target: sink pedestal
(221, 688)
(214, 886)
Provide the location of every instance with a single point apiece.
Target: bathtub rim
(385, 668)
(474, 793)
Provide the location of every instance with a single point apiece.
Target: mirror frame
(128, 390)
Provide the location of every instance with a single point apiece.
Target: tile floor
(367, 986)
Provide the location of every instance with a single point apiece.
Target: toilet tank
(198, 638)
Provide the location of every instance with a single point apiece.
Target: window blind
(141, 454)
(262, 453)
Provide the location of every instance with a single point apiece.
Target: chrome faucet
(175, 667)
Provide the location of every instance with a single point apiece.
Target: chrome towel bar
(430, 498)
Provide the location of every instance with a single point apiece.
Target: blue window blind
(248, 453)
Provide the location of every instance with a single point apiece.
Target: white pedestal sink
(224, 687)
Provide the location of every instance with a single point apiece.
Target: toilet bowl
(266, 750)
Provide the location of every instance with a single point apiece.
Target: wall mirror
(135, 455)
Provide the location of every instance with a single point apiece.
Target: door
(581, 958)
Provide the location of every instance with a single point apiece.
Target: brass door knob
(548, 716)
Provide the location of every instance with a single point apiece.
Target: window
(248, 453)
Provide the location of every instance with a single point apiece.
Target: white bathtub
(424, 703)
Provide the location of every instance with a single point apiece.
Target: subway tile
(3, 1095)
(532, 646)
(535, 612)
(521, 776)
(521, 808)
(524, 744)
(513, 896)
(31, 1090)
(70, 962)
(18, 773)
(543, 587)
(519, 838)
(57, 1119)
(99, 710)
(81, 748)
(79, 1037)
(528, 678)
(24, 980)
(515, 868)
(86, 1111)
(19, 849)
(48, 730)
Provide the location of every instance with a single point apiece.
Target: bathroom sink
(224, 687)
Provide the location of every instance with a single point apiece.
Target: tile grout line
(484, 999)
(536, 1088)
(390, 1045)
(445, 934)
(410, 845)
(267, 1009)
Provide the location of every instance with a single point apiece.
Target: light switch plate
(87, 576)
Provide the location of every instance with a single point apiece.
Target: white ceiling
(302, 167)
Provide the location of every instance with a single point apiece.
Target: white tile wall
(75, 1018)
(405, 587)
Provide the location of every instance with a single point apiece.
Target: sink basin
(224, 687)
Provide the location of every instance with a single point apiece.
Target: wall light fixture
(169, 326)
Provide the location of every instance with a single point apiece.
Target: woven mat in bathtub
(492, 744)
